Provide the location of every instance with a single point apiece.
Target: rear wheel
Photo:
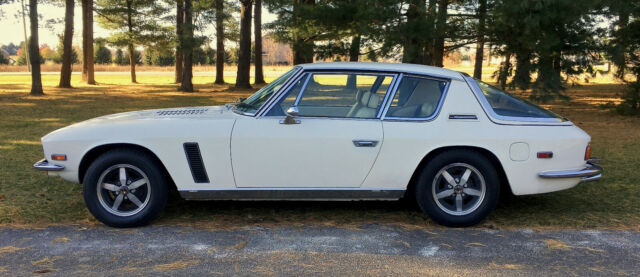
(458, 188)
(125, 188)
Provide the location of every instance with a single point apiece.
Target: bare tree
(87, 42)
(34, 55)
(257, 22)
(67, 45)
(244, 56)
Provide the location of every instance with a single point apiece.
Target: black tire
(154, 192)
(441, 208)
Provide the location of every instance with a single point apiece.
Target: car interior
(360, 96)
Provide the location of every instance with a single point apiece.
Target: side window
(339, 95)
(416, 98)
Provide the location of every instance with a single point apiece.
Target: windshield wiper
(244, 105)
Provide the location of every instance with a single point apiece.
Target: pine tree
(133, 23)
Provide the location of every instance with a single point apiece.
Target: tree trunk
(257, 22)
(620, 56)
(186, 44)
(179, 22)
(67, 45)
(25, 46)
(132, 62)
(301, 47)
(414, 43)
(131, 49)
(244, 56)
(302, 51)
(34, 55)
(219, 42)
(87, 42)
(441, 26)
(522, 75)
(354, 50)
(482, 12)
(428, 44)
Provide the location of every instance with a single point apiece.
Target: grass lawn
(28, 197)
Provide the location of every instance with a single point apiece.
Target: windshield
(506, 104)
(255, 101)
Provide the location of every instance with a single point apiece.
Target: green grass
(28, 197)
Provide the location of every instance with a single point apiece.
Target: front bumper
(46, 166)
(591, 172)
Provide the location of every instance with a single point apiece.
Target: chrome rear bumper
(46, 166)
(591, 172)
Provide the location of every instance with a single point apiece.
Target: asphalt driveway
(370, 250)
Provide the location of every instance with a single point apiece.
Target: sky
(11, 28)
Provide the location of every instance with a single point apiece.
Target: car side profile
(328, 131)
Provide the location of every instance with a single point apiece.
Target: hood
(185, 113)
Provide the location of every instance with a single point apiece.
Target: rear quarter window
(506, 104)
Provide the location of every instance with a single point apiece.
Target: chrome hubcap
(458, 189)
(123, 190)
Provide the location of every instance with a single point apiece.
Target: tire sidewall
(424, 186)
(157, 182)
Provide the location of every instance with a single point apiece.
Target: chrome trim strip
(590, 172)
(508, 120)
(46, 166)
(435, 114)
(293, 194)
(388, 98)
(463, 116)
(390, 90)
(304, 86)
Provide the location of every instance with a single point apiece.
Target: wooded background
(544, 45)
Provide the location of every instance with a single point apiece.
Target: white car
(328, 131)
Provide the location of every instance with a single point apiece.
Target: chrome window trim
(309, 73)
(388, 97)
(304, 86)
(390, 70)
(418, 119)
(284, 87)
(508, 120)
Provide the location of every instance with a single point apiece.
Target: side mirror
(291, 113)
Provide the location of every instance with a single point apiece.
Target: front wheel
(458, 188)
(125, 188)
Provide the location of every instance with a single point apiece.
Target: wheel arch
(505, 186)
(96, 151)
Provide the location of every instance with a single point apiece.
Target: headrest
(374, 101)
(364, 100)
(426, 109)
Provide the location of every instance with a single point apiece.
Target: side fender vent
(194, 158)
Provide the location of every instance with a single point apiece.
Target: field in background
(30, 197)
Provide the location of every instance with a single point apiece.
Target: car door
(333, 142)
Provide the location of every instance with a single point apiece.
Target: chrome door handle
(365, 143)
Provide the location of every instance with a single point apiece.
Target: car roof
(392, 67)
